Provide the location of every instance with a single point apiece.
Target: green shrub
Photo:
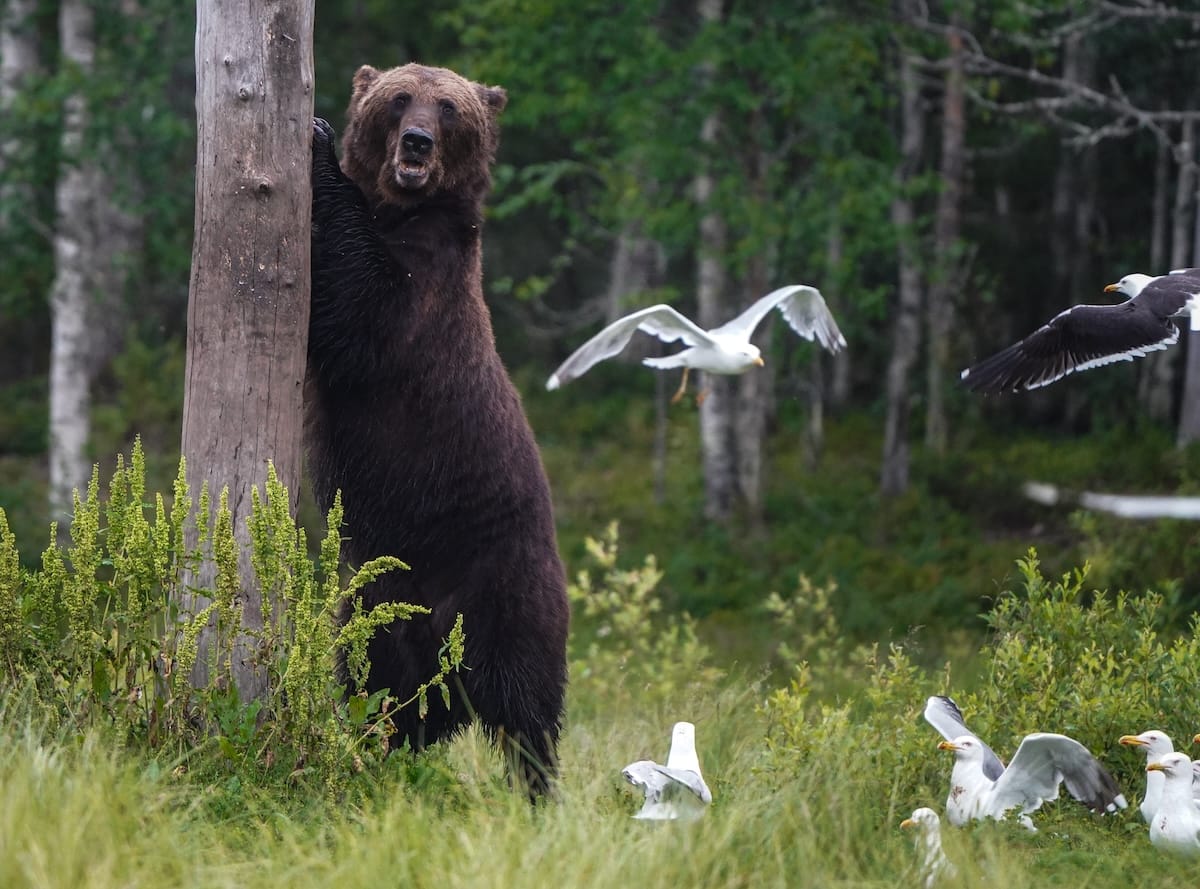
(630, 648)
(1057, 658)
(102, 633)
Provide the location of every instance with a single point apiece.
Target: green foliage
(112, 631)
(1058, 658)
(631, 650)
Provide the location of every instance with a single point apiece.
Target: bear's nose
(417, 141)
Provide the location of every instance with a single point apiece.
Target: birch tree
(906, 323)
(248, 303)
(93, 238)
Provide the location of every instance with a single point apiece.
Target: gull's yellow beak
(1156, 767)
(946, 745)
(1111, 287)
(759, 361)
(908, 822)
(1196, 739)
(1131, 741)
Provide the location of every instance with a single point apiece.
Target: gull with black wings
(1088, 336)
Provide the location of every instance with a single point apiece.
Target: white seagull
(676, 790)
(723, 350)
(935, 865)
(1089, 336)
(1156, 745)
(1042, 762)
(1176, 824)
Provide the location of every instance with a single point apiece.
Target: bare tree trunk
(754, 395)
(839, 388)
(940, 307)
(93, 238)
(1162, 388)
(1189, 408)
(717, 411)
(1158, 260)
(19, 61)
(906, 328)
(248, 304)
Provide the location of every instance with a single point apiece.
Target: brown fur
(413, 417)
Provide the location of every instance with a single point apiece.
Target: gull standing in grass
(676, 790)
(1042, 762)
(929, 835)
(1156, 745)
(723, 350)
(1176, 824)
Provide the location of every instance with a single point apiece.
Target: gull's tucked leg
(702, 396)
(682, 386)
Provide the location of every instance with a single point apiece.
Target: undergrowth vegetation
(108, 632)
(117, 773)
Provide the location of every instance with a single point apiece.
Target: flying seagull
(929, 835)
(676, 790)
(1089, 336)
(1042, 762)
(1176, 824)
(1156, 745)
(723, 350)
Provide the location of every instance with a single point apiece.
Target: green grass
(91, 816)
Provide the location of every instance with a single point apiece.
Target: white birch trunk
(717, 411)
(19, 62)
(93, 237)
(906, 328)
(947, 231)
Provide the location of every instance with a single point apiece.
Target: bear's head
(414, 134)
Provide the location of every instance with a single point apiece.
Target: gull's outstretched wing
(1080, 338)
(661, 321)
(1041, 763)
(943, 714)
(802, 306)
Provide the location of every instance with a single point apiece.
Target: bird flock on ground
(982, 787)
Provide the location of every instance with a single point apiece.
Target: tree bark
(940, 307)
(19, 62)
(1158, 259)
(906, 326)
(1166, 364)
(1189, 407)
(248, 304)
(93, 236)
(839, 387)
(717, 411)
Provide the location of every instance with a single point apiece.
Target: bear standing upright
(413, 417)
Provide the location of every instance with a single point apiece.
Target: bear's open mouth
(411, 173)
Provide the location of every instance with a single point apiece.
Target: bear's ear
(494, 97)
(364, 77)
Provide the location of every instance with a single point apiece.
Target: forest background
(950, 176)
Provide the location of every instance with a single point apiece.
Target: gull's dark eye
(447, 108)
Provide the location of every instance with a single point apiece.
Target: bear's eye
(400, 102)
(447, 107)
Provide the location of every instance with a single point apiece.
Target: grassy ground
(89, 816)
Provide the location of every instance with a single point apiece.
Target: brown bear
(410, 413)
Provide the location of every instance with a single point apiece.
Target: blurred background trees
(950, 174)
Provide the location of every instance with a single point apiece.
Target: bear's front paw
(322, 139)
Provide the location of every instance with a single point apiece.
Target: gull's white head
(751, 354)
(966, 748)
(1130, 285)
(1174, 765)
(924, 818)
(1153, 743)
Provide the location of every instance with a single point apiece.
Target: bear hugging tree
(411, 414)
